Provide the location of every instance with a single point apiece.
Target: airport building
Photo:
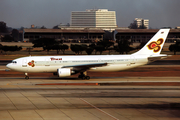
(93, 18)
(94, 35)
(142, 22)
(67, 35)
(141, 35)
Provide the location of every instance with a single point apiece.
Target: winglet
(155, 45)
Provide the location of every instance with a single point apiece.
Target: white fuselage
(65, 66)
(52, 63)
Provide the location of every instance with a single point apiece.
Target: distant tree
(133, 26)
(83, 48)
(15, 34)
(15, 48)
(1, 46)
(64, 47)
(103, 46)
(5, 48)
(99, 48)
(56, 27)
(105, 43)
(48, 48)
(43, 27)
(11, 48)
(89, 50)
(78, 48)
(57, 48)
(7, 38)
(43, 42)
(175, 47)
(92, 45)
(3, 27)
(46, 43)
(123, 46)
(75, 48)
(142, 27)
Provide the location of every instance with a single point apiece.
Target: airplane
(65, 66)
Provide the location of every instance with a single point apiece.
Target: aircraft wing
(84, 67)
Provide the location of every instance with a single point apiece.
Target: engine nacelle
(64, 72)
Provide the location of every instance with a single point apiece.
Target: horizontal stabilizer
(157, 57)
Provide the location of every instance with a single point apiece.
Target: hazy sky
(17, 13)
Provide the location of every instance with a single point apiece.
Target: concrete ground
(26, 100)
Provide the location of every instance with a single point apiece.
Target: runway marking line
(69, 84)
(98, 109)
(119, 84)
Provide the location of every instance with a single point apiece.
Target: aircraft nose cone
(8, 65)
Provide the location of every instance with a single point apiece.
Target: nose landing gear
(26, 76)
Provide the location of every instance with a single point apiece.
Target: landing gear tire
(80, 76)
(27, 77)
(87, 77)
(83, 77)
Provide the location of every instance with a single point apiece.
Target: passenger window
(14, 62)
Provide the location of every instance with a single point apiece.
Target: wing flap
(84, 67)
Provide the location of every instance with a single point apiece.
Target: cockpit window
(14, 61)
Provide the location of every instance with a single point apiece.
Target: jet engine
(64, 72)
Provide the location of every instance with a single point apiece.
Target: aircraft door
(132, 60)
(24, 63)
(47, 62)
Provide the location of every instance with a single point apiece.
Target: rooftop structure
(142, 22)
(93, 18)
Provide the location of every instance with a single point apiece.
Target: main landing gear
(83, 76)
(26, 76)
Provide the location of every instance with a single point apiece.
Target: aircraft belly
(43, 69)
(20, 69)
(115, 67)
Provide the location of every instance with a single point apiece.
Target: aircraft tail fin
(155, 44)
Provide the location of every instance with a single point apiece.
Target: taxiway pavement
(27, 99)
